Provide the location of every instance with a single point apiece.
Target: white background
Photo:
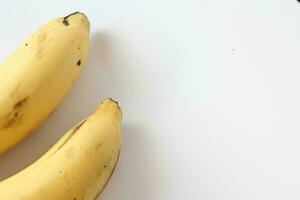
(210, 92)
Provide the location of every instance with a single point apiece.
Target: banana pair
(33, 81)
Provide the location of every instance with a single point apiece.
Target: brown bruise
(14, 117)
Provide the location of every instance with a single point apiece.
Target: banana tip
(77, 13)
(111, 101)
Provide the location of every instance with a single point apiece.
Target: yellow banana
(34, 80)
(76, 168)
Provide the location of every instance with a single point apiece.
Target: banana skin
(35, 79)
(76, 168)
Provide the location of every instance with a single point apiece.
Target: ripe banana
(34, 80)
(76, 168)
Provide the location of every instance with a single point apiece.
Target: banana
(76, 168)
(34, 80)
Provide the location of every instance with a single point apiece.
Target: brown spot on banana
(14, 117)
(11, 120)
(78, 127)
(20, 103)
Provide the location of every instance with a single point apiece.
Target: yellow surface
(77, 167)
(34, 80)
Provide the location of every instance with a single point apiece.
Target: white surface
(210, 92)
